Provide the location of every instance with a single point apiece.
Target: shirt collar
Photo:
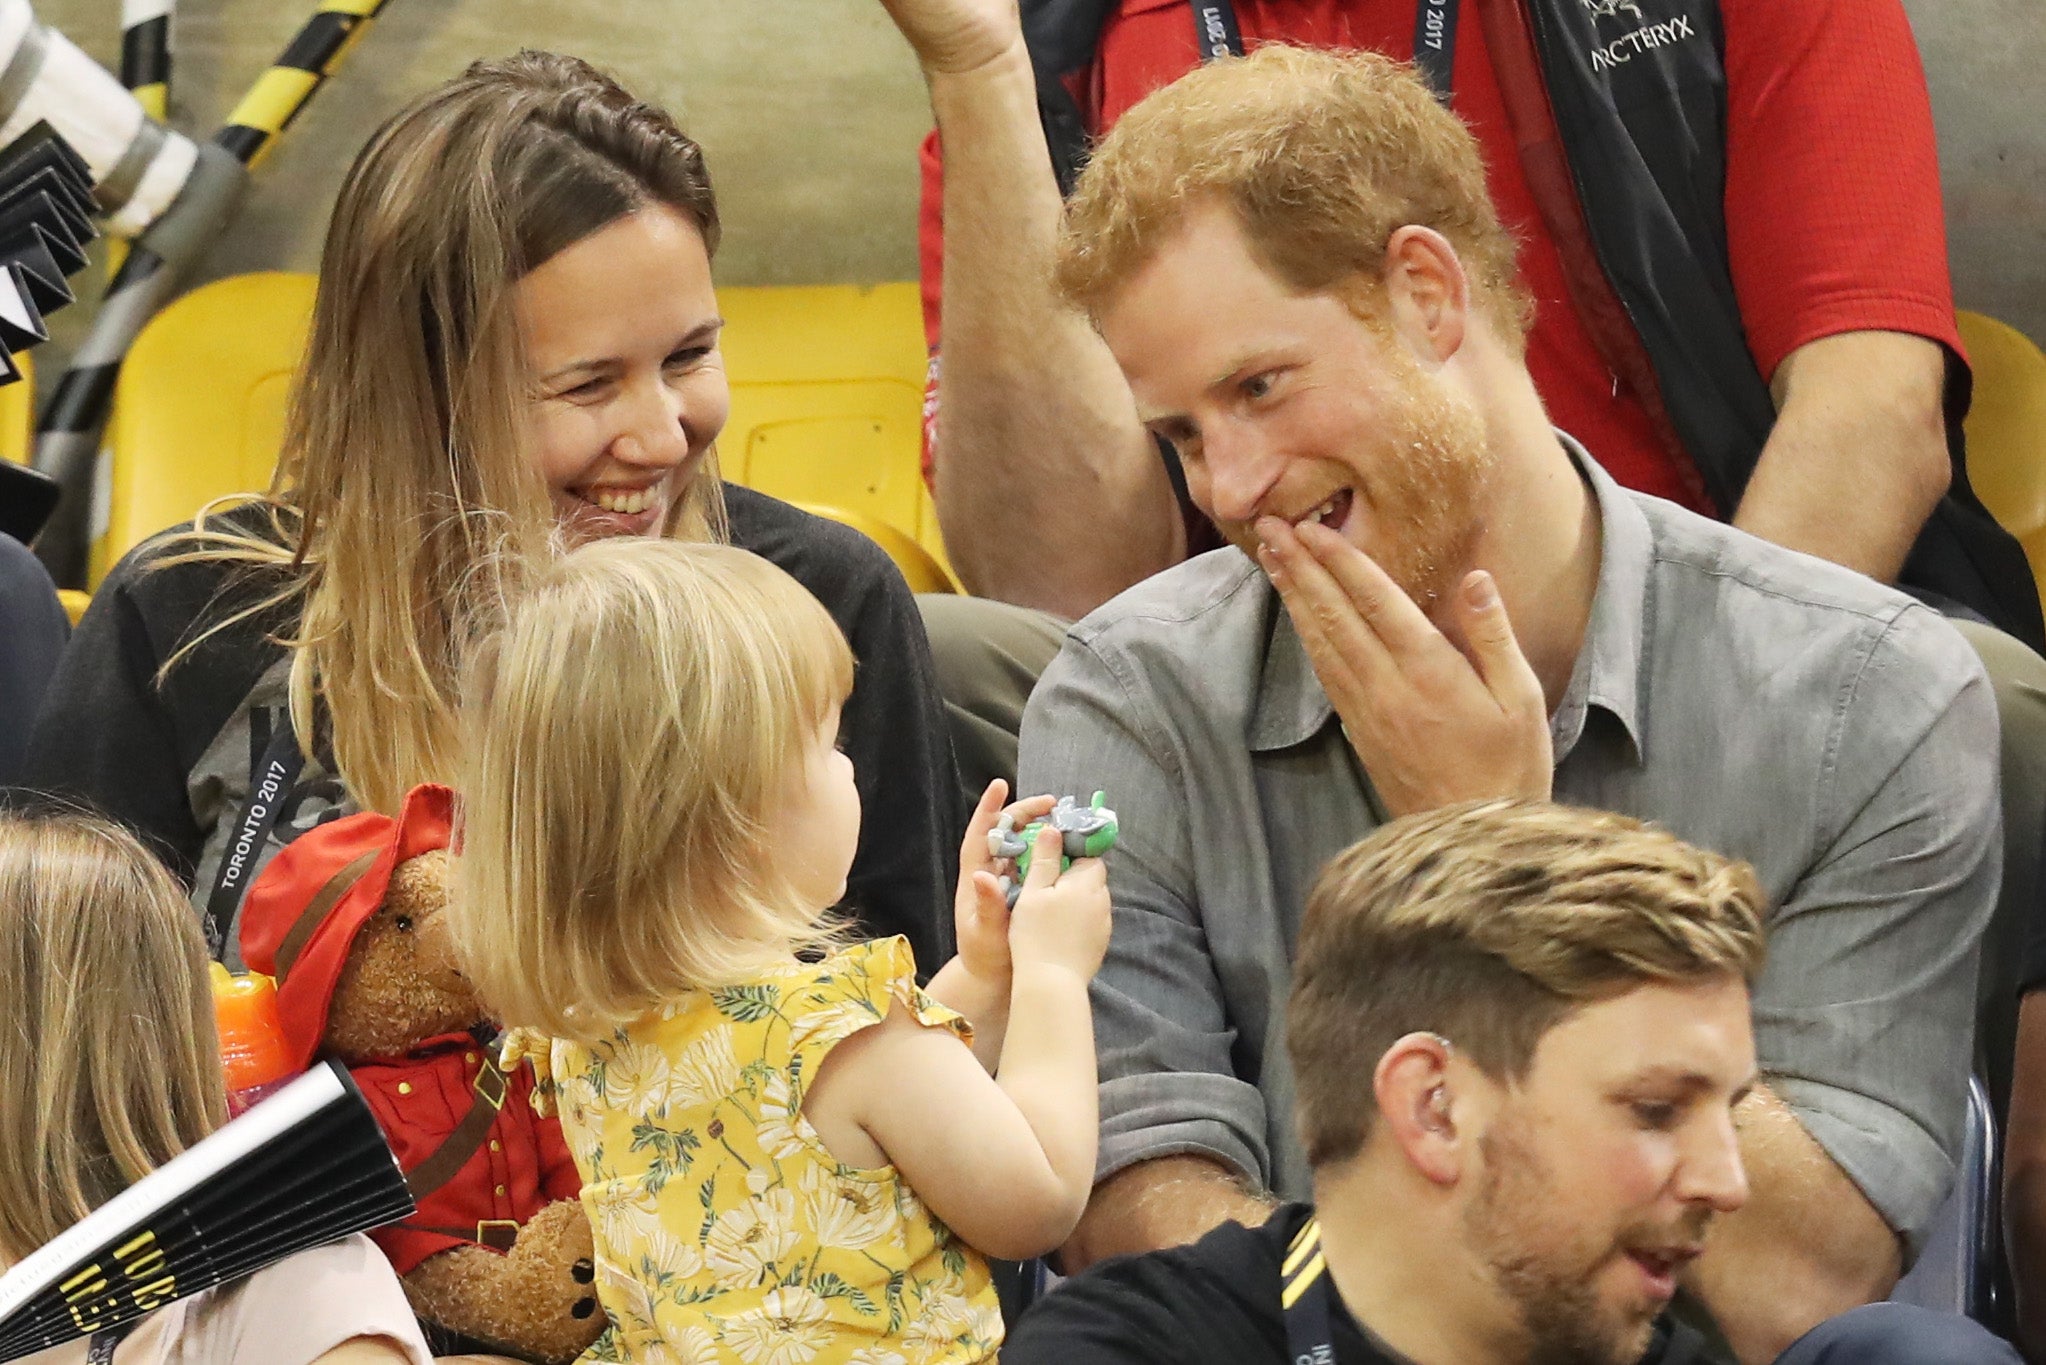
(1610, 668)
(1292, 707)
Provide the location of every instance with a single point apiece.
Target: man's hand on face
(1431, 723)
(952, 37)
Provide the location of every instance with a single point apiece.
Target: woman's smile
(621, 330)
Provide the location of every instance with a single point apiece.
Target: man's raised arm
(1049, 493)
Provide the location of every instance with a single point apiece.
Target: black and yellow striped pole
(146, 71)
(146, 53)
(275, 100)
(67, 436)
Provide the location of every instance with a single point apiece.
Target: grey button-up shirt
(1836, 734)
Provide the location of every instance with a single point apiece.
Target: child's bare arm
(1006, 1161)
(976, 983)
(984, 1003)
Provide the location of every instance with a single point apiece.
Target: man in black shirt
(1520, 1032)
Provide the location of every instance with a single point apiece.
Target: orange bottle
(252, 1051)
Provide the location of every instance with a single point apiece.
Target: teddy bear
(349, 919)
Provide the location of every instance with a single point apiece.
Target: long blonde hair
(108, 1061)
(402, 492)
(626, 739)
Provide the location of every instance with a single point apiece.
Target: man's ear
(1417, 1106)
(1427, 294)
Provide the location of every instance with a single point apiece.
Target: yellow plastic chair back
(920, 568)
(2006, 429)
(827, 398)
(827, 405)
(18, 414)
(199, 411)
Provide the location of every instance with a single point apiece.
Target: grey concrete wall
(1986, 63)
(810, 112)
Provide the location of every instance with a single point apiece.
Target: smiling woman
(621, 331)
(515, 345)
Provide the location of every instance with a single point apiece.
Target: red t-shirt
(1833, 213)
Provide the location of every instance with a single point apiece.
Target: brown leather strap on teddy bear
(457, 1147)
(499, 1234)
(316, 911)
(454, 1152)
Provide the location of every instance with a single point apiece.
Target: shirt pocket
(412, 1107)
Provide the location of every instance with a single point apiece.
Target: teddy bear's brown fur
(399, 987)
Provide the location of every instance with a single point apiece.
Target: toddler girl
(779, 1134)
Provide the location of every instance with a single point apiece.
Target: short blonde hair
(1489, 923)
(1321, 155)
(109, 1065)
(627, 735)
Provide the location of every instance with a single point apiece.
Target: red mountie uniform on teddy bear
(347, 919)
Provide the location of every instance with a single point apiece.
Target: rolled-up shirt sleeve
(1162, 1031)
(1865, 1011)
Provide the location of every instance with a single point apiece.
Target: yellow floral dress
(725, 1232)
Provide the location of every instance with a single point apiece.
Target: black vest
(1638, 89)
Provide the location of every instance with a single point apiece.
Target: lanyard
(1215, 30)
(1303, 1294)
(101, 1350)
(1435, 44)
(269, 783)
(1217, 34)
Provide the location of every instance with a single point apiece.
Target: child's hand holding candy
(976, 982)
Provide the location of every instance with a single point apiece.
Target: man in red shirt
(1835, 239)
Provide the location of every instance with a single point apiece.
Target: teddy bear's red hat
(305, 909)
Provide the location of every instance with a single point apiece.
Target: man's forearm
(1858, 456)
(1806, 1246)
(1166, 1202)
(1049, 493)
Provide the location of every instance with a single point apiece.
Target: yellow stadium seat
(920, 569)
(199, 410)
(18, 414)
(827, 402)
(827, 397)
(2006, 429)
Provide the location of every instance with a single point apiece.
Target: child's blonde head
(108, 1061)
(629, 733)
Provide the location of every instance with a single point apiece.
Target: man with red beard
(1522, 1043)
(1435, 596)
